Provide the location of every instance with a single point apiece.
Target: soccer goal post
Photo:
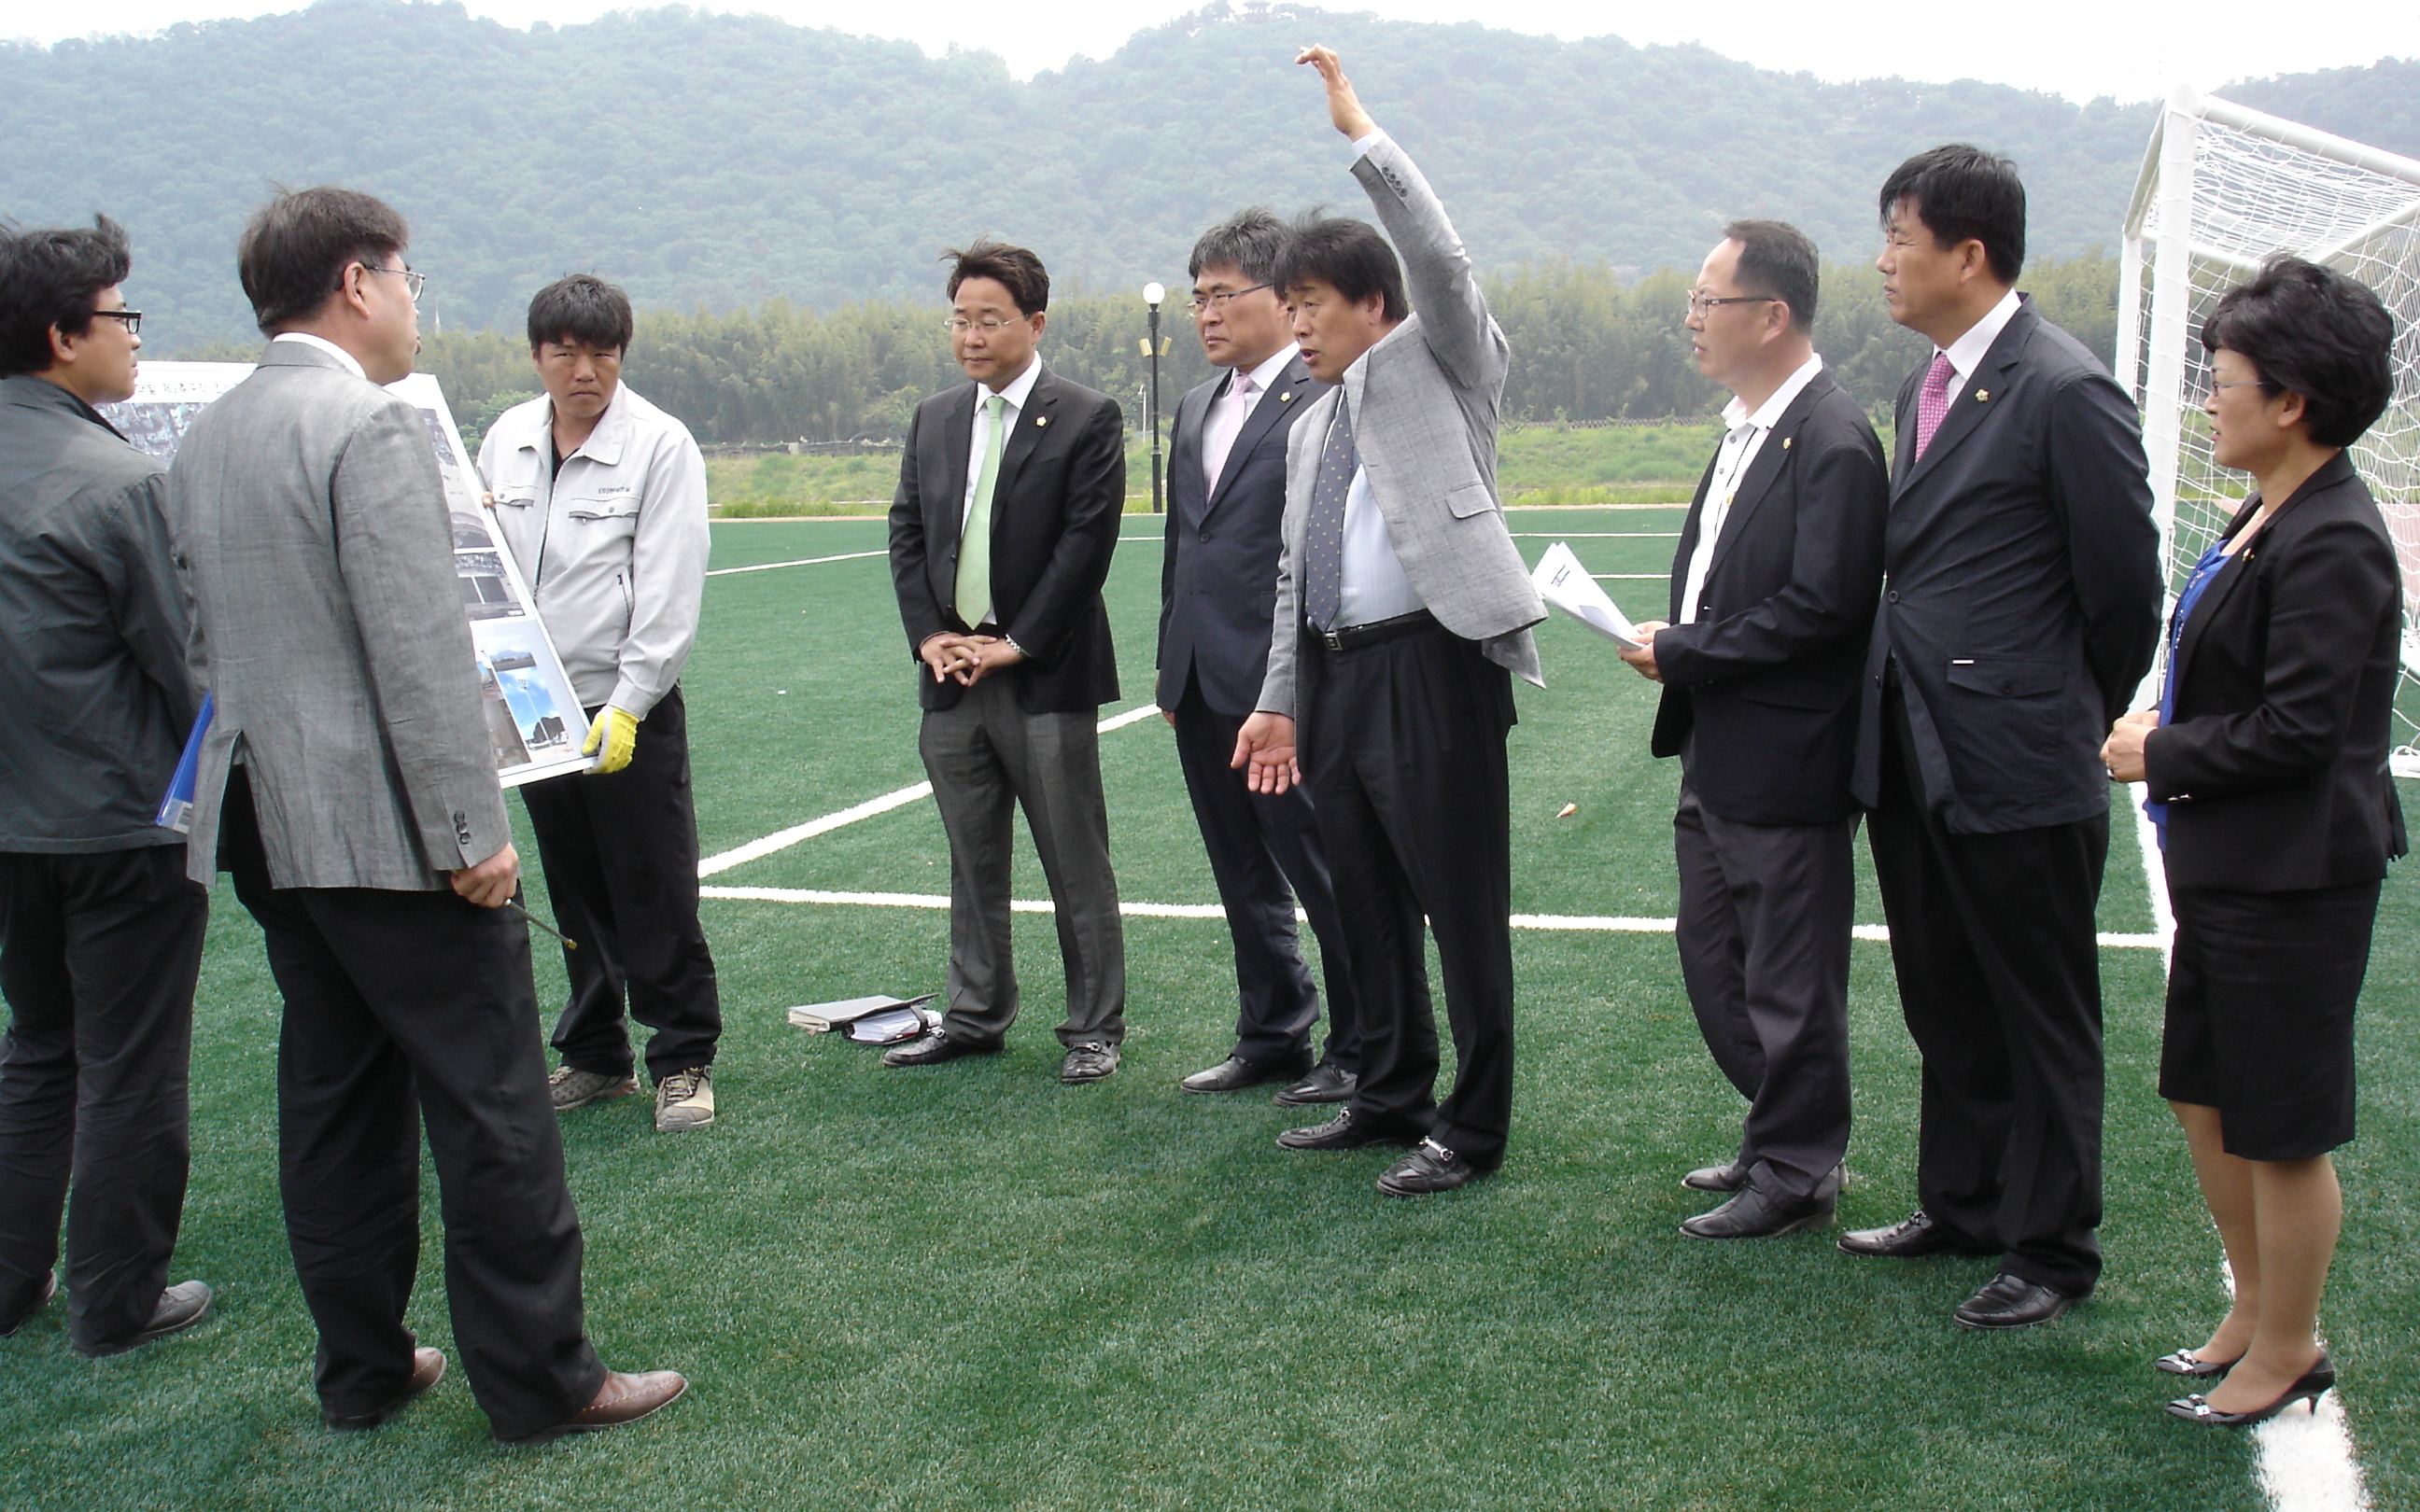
(2221, 188)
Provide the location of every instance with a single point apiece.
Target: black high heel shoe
(2186, 1363)
(2315, 1383)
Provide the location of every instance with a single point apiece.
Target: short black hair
(294, 251)
(1778, 259)
(2312, 331)
(581, 308)
(1015, 268)
(54, 277)
(1349, 256)
(1252, 240)
(1963, 193)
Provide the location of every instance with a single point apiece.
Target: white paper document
(1564, 584)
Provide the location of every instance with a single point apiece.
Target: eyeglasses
(2214, 386)
(412, 283)
(1700, 304)
(959, 325)
(1219, 300)
(131, 319)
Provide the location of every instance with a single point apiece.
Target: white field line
(782, 840)
(803, 562)
(1597, 535)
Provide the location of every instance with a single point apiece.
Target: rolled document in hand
(1564, 584)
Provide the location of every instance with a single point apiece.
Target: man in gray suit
(347, 782)
(1401, 604)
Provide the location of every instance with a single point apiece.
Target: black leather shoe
(50, 1290)
(1753, 1213)
(1430, 1168)
(2313, 1385)
(2186, 1363)
(2012, 1301)
(1918, 1234)
(427, 1369)
(1716, 1178)
(1235, 1074)
(1342, 1131)
(1088, 1061)
(180, 1307)
(933, 1049)
(1327, 1082)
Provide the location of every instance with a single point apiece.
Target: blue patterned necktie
(1322, 572)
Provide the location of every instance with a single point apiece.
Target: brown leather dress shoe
(1916, 1235)
(50, 1290)
(427, 1369)
(622, 1398)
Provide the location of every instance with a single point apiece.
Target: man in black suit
(1218, 594)
(2021, 608)
(1772, 601)
(1001, 537)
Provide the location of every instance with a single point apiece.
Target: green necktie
(974, 543)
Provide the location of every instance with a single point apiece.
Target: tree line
(1586, 346)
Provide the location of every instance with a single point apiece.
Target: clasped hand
(969, 658)
(2122, 752)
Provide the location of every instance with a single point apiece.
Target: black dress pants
(1763, 939)
(1401, 742)
(405, 1009)
(98, 954)
(620, 854)
(1265, 854)
(1994, 943)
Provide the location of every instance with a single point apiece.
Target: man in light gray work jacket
(100, 931)
(601, 497)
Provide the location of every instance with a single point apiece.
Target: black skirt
(2260, 1013)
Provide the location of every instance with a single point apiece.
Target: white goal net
(2223, 187)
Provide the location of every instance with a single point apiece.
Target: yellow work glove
(617, 732)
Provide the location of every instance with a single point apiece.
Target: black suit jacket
(1218, 585)
(1056, 510)
(2022, 586)
(2274, 766)
(1767, 673)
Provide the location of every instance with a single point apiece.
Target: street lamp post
(1154, 348)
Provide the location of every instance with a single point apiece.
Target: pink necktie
(1932, 401)
(1224, 427)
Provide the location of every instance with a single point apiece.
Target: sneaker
(1088, 1061)
(578, 1088)
(685, 1099)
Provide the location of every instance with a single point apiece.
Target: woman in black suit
(2269, 754)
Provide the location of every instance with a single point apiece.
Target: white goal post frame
(2158, 344)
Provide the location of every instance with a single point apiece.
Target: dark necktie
(1323, 573)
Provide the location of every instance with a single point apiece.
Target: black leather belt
(1345, 637)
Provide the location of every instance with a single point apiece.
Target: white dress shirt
(1019, 390)
(1740, 443)
(1228, 411)
(305, 338)
(1966, 353)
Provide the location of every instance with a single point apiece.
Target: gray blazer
(1425, 404)
(328, 622)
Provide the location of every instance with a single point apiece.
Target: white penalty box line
(783, 840)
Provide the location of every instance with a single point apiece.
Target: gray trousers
(1764, 936)
(982, 755)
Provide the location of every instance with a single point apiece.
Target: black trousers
(1763, 939)
(620, 854)
(1993, 942)
(1264, 853)
(405, 1009)
(1402, 744)
(98, 954)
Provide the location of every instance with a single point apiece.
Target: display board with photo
(536, 726)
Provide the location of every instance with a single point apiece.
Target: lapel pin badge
(1785, 443)
(1040, 421)
(1982, 395)
(1286, 397)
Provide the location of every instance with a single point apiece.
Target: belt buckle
(1332, 640)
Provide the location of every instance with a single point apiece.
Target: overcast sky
(2130, 49)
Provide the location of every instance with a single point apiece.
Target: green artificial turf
(973, 1288)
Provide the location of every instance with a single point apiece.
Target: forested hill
(717, 160)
